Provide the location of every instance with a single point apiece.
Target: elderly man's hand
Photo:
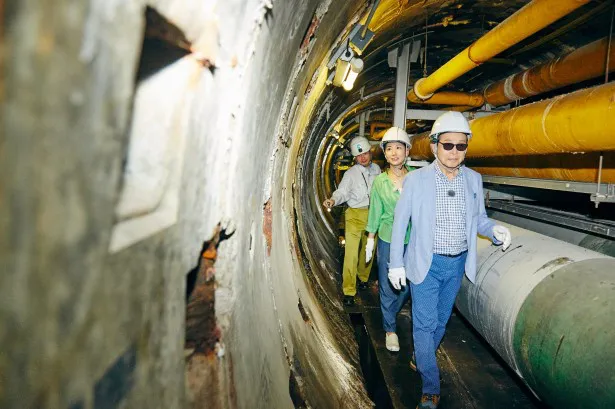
(501, 233)
(397, 277)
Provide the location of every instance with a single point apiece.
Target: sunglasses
(449, 146)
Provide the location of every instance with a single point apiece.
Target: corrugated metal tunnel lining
(506, 141)
(146, 142)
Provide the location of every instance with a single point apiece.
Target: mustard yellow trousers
(354, 254)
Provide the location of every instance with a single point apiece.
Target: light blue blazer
(418, 203)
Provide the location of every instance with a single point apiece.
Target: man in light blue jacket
(445, 203)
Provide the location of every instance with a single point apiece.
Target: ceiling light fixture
(355, 67)
(347, 68)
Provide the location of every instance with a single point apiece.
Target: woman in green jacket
(385, 193)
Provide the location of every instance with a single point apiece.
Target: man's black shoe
(363, 285)
(348, 300)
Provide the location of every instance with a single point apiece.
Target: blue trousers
(432, 303)
(391, 300)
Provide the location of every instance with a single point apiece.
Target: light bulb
(356, 66)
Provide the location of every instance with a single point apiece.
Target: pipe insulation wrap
(540, 305)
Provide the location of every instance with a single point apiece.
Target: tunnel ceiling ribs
(530, 19)
(551, 124)
(452, 27)
(551, 121)
(554, 58)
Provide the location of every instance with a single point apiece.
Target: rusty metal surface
(202, 333)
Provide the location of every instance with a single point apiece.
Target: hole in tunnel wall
(202, 332)
(267, 227)
(163, 44)
(309, 35)
(166, 75)
(296, 386)
(203, 344)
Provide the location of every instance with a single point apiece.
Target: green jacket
(382, 201)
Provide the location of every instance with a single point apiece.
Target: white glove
(501, 233)
(397, 277)
(369, 249)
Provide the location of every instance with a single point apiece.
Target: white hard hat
(395, 134)
(359, 145)
(450, 121)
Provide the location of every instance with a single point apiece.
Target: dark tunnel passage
(164, 166)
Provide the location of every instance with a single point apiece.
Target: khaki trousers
(354, 254)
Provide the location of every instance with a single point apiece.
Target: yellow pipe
(531, 18)
(348, 130)
(580, 65)
(377, 135)
(450, 98)
(460, 108)
(374, 125)
(582, 121)
(568, 166)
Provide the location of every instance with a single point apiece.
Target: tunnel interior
(164, 165)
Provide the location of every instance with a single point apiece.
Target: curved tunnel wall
(75, 313)
(81, 315)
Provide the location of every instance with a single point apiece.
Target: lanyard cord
(366, 186)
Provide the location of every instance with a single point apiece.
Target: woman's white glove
(369, 249)
(397, 277)
(501, 233)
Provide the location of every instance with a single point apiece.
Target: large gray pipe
(547, 308)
